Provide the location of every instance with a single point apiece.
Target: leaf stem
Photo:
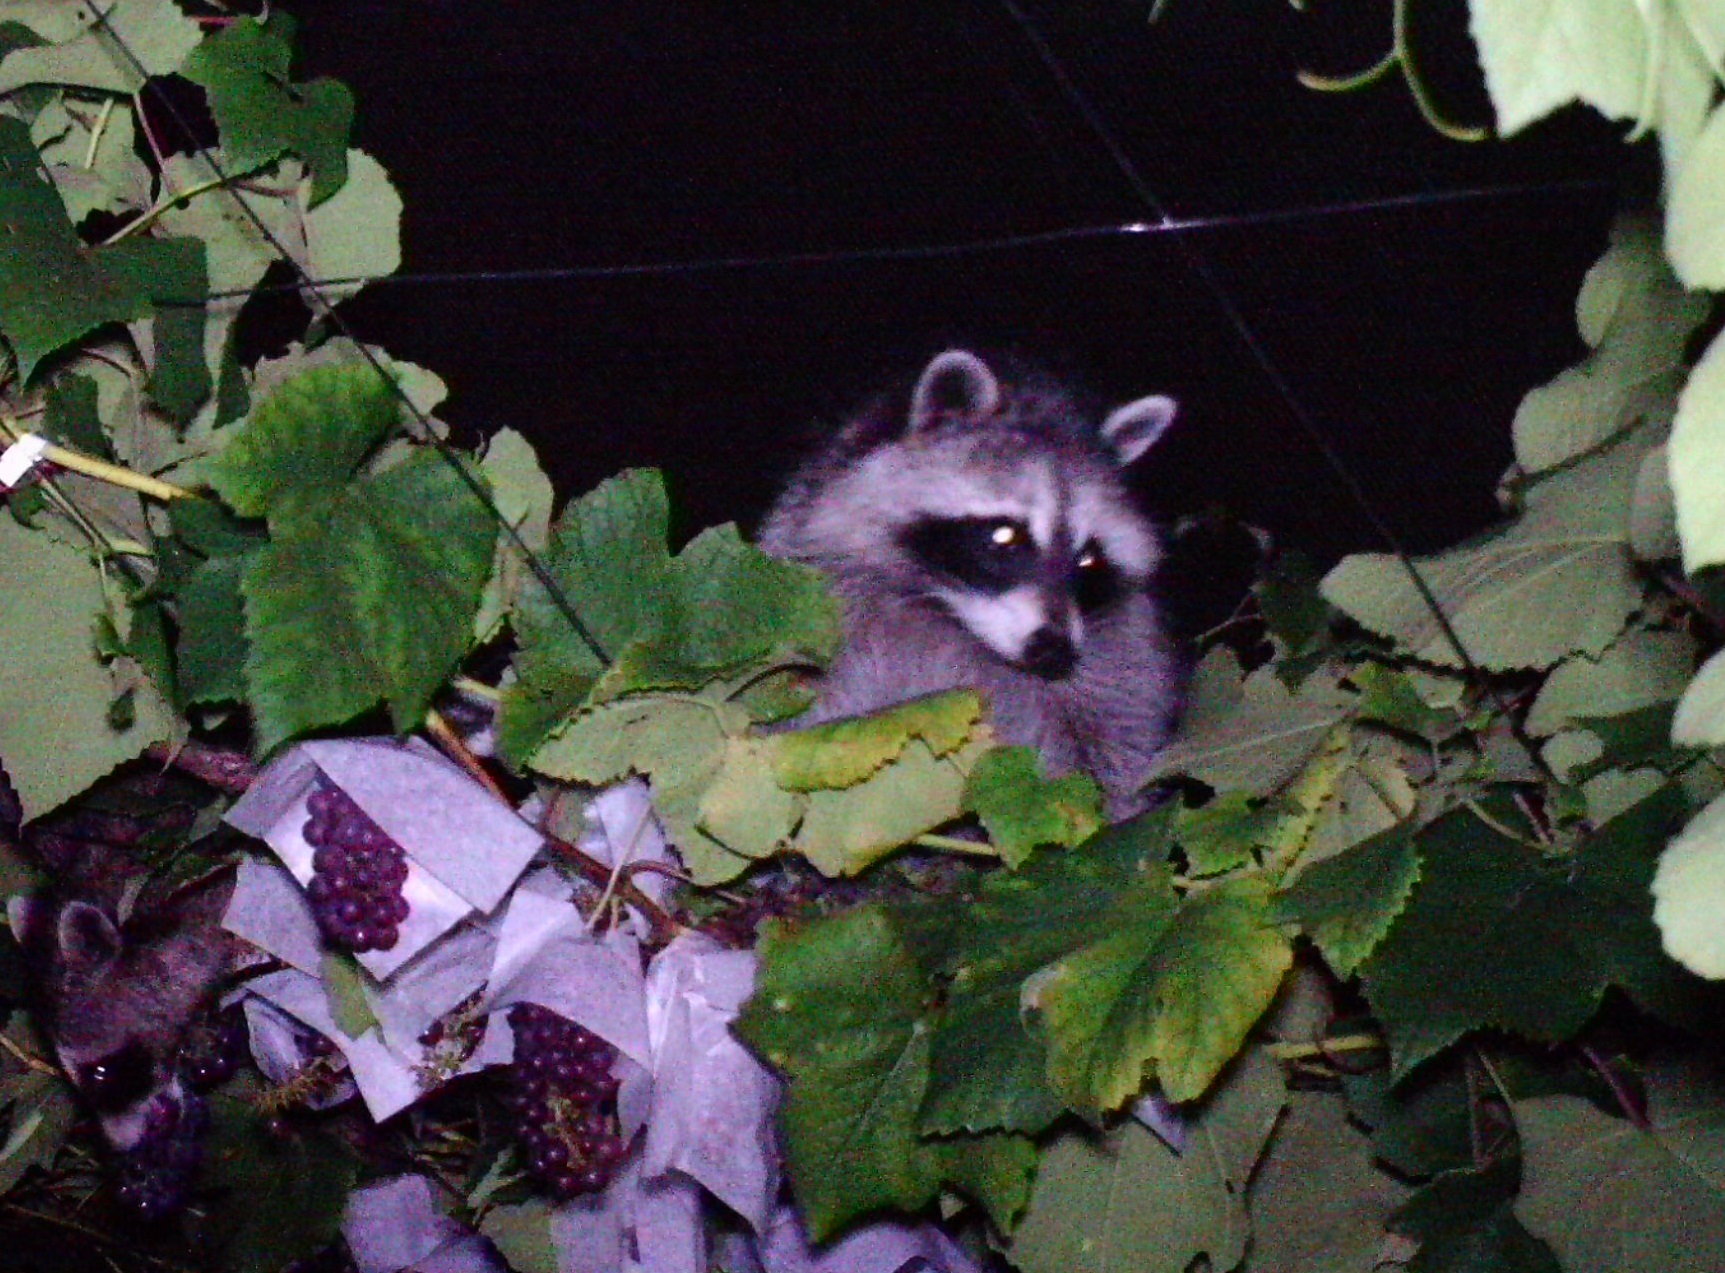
(953, 844)
(27, 1058)
(113, 474)
(1323, 1047)
(96, 132)
(144, 220)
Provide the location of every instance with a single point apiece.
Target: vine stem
(144, 220)
(89, 466)
(952, 844)
(26, 1058)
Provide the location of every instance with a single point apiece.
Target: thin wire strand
(1200, 265)
(932, 251)
(324, 309)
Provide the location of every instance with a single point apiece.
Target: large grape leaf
(840, 1008)
(1639, 670)
(843, 753)
(53, 289)
(356, 232)
(1347, 903)
(261, 113)
(56, 733)
(1637, 318)
(1697, 476)
(1022, 810)
(1609, 1197)
(154, 32)
(524, 499)
(1556, 580)
(1171, 995)
(1250, 733)
(1497, 935)
(364, 593)
(1543, 54)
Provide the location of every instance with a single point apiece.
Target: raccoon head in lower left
(116, 1000)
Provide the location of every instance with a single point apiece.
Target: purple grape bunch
(155, 1175)
(358, 873)
(564, 1101)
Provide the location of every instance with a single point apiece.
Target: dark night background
(625, 132)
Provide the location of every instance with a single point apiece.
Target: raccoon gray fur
(981, 535)
(119, 978)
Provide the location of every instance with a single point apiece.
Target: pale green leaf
(1652, 513)
(113, 180)
(356, 232)
(1556, 580)
(1689, 894)
(1700, 719)
(1695, 210)
(522, 1235)
(1639, 670)
(154, 32)
(344, 993)
(843, 753)
(524, 500)
(744, 808)
(1608, 1197)
(847, 830)
(41, 1113)
(1697, 468)
(1539, 55)
(56, 737)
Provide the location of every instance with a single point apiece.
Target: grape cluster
(156, 1174)
(357, 873)
(214, 1049)
(564, 1101)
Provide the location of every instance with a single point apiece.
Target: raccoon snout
(1049, 654)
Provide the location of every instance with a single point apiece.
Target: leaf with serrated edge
(364, 594)
(1556, 580)
(845, 752)
(1178, 993)
(1021, 810)
(845, 831)
(1126, 1203)
(1700, 719)
(1697, 476)
(524, 500)
(1249, 733)
(1222, 834)
(1348, 902)
(211, 654)
(1610, 1198)
(1640, 669)
(1689, 894)
(744, 808)
(55, 735)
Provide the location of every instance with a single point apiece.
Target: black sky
(534, 136)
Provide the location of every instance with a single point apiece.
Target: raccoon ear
(87, 937)
(956, 384)
(1134, 428)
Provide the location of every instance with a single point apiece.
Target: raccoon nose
(1049, 654)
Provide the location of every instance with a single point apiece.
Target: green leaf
(1689, 894)
(845, 752)
(1420, 1126)
(996, 1171)
(838, 1009)
(1556, 580)
(1640, 669)
(1022, 810)
(1700, 718)
(744, 808)
(1637, 318)
(1610, 1198)
(523, 1236)
(524, 500)
(344, 993)
(845, 831)
(1249, 733)
(284, 1195)
(53, 289)
(211, 654)
(1348, 902)
(1538, 57)
(1176, 991)
(1126, 1203)
(1697, 477)
(365, 593)
(1224, 833)
(40, 1113)
(356, 232)
(1294, 611)
(171, 273)
(261, 113)
(70, 417)
(309, 437)
(1463, 1221)
(1388, 697)
(1695, 212)
(55, 734)
(155, 32)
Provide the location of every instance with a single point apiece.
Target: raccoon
(982, 536)
(119, 979)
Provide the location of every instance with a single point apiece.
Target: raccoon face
(1009, 513)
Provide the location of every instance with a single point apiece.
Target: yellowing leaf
(844, 752)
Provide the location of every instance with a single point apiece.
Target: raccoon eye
(1006, 535)
(118, 1080)
(1098, 584)
(990, 554)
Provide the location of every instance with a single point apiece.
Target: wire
(326, 311)
(1200, 265)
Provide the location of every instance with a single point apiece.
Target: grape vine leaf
(522, 1234)
(307, 438)
(1695, 213)
(210, 656)
(1556, 580)
(1464, 1221)
(155, 32)
(1689, 894)
(849, 1120)
(53, 289)
(1021, 810)
(1700, 718)
(171, 273)
(524, 500)
(1652, 511)
(1250, 733)
(1640, 669)
(1347, 903)
(95, 169)
(1637, 319)
(364, 592)
(1420, 1126)
(1697, 477)
(356, 232)
(56, 735)
(1538, 57)
(261, 113)
(843, 753)
(1566, 932)
(40, 1113)
(1608, 1197)
(1222, 834)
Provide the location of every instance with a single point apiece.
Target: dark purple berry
(358, 873)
